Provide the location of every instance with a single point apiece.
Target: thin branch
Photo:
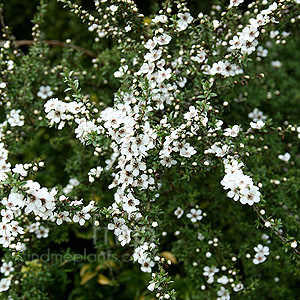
(6, 32)
(54, 43)
(283, 239)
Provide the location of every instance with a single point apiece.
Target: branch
(283, 239)
(54, 43)
(5, 30)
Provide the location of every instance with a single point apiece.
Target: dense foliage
(149, 151)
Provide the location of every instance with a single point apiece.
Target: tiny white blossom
(286, 157)
(178, 212)
(233, 132)
(195, 215)
(45, 92)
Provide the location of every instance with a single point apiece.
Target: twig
(283, 239)
(3, 23)
(54, 43)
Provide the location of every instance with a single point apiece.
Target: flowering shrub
(161, 163)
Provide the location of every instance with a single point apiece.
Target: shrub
(169, 140)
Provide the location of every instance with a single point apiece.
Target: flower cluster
(14, 118)
(224, 68)
(59, 112)
(241, 186)
(246, 40)
(141, 256)
(6, 268)
(4, 165)
(120, 230)
(261, 254)
(39, 230)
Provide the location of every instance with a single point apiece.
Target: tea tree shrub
(151, 156)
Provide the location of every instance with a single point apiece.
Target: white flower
(139, 254)
(153, 55)
(261, 51)
(130, 203)
(210, 279)
(10, 64)
(14, 118)
(265, 238)
(16, 229)
(168, 161)
(233, 132)
(92, 27)
(182, 81)
(200, 57)
(7, 268)
(210, 271)
(151, 43)
(200, 236)
(186, 17)
(5, 241)
(249, 33)
(216, 24)
(33, 227)
(52, 104)
(42, 232)
(256, 115)
(164, 74)
(151, 287)
(192, 113)
(124, 236)
(74, 182)
(223, 280)
(216, 68)
(122, 70)
(259, 258)
(267, 224)
(4, 284)
(147, 265)
(235, 3)
(195, 215)
(113, 8)
(118, 224)
(164, 39)
(7, 215)
(264, 250)
(258, 125)
(249, 47)
(235, 43)
(178, 212)
(294, 244)
(298, 130)
(238, 287)
(62, 216)
(250, 195)
(19, 168)
(45, 92)
(276, 64)
(286, 157)
(187, 152)
(127, 28)
(81, 216)
(223, 294)
(160, 18)
(95, 172)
